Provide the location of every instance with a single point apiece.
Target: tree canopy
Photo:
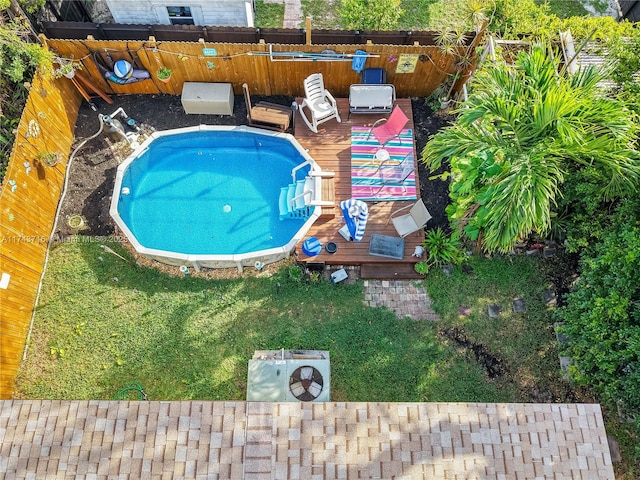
(523, 129)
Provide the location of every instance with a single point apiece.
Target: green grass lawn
(323, 13)
(269, 15)
(103, 323)
(523, 343)
(430, 14)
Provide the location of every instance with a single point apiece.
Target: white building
(177, 12)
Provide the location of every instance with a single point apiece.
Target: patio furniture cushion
(371, 98)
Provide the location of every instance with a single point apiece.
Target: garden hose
(54, 227)
(132, 387)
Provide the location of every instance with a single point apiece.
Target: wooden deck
(331, 149)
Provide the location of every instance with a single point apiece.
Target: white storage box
(207, 98)
(339, 275)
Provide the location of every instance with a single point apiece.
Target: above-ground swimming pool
(216, 197)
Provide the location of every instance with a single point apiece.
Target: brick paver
(292, 13)
(235, 440)
(407, 298)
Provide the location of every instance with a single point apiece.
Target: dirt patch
(493, 365)
(434, 193)
(93, 170)
(562, 271)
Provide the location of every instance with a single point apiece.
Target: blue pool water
(212, 192)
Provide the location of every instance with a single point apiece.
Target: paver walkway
(407, 298)
(312, 441)
(292, 12)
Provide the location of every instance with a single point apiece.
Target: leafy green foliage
(370, 14)
(529, 19)
(18, 61)
(32, 6)
(602, 318)
(16, 98)
(521, 132)
(624, 48)
(441, 249)
(18, 57)
(583, 218)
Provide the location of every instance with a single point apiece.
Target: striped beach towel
(355, 214)
(366, 179)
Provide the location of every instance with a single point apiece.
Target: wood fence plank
(28, 212)
(237, 63)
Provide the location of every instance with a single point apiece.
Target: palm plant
(442, 249)
(523, 130)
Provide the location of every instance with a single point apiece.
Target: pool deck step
(328, 194)
(389, 271)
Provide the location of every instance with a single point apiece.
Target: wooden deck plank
(331, 149)
(399, 271)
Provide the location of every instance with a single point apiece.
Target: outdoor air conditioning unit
(289, 376)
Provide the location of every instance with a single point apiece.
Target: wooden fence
(280, 74)
(31, 190)
(28, 202)
(193, 33)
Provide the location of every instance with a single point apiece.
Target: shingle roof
(240, 440)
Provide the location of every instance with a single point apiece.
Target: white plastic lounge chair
(321, 104)
(413, 221)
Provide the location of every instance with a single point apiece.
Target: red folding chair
(386, 129)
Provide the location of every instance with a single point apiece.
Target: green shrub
(18, 61)
(441, 249)
(520, 133)
(602, 319)
(31, 6)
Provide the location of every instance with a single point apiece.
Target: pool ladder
(299, 197)
(295, 199)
